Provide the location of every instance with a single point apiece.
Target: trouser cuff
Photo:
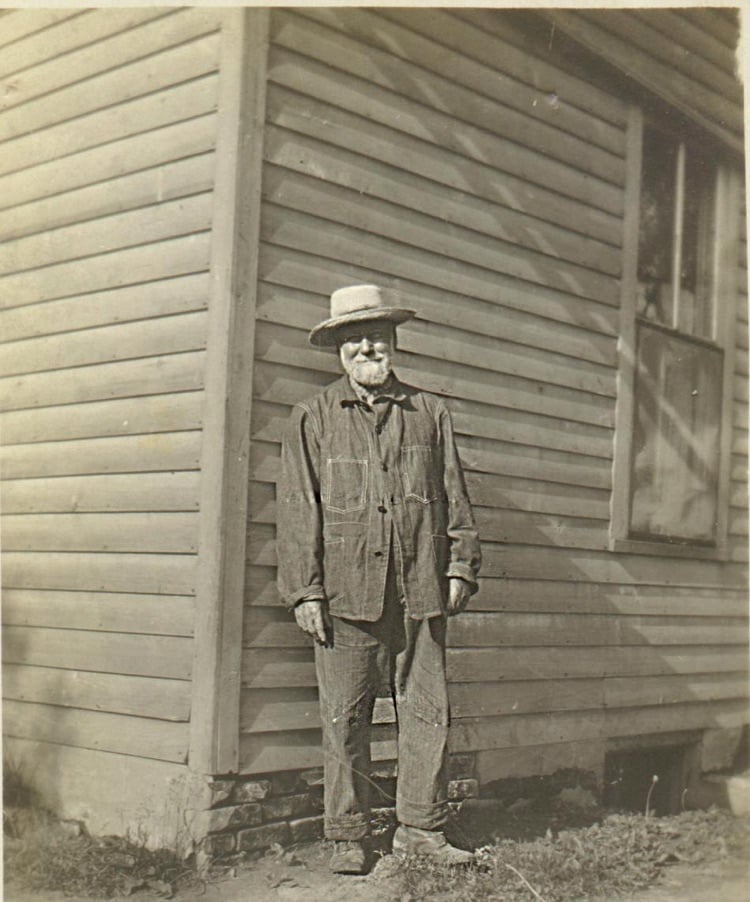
(426, 817)
(352, 827)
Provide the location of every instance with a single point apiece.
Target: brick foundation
(251, 814)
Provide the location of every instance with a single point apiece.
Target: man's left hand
(459, 592)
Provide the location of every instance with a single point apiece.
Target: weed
(43, 853)
(622, 853)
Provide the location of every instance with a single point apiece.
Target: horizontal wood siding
(107, 146)
(429, 153)
(672, 54)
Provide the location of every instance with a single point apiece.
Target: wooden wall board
(549, 663)
(160, 451)
(700, 32)
(478, 61)
(164, 220)
(322, 237)
(172, 491)
(122, 156)
(156, 336)
(520, 562)
(629, 692)
(267, 669)
(709, 109)
(130, 266)
(721, 23)
(166, 657)
(306, 115)
(181, 179)
(18, 25)
(341, 166)
(150, 414)
(387, 107)
(168, 574)
(57, 39)
(106, 89)
(142, 736)
(403, 72)
(688, 51)
(162, 297)
(130, 118)
(113, 693)
(333, 203)
(525, 59)
(531, 595)
(124, 612)
(111, 40)
(179, 372)
(132, 532)
(688, 716)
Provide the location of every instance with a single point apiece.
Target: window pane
(675, 438)
(655, 229)
(696, 293)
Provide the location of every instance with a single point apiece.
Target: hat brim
(324, 334)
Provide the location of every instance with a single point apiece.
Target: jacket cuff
(465, 572)
(306, 593)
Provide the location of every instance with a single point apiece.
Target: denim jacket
(358, 484)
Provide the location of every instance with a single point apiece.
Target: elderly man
(376, 547)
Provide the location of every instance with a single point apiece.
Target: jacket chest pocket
(420, 467)
(347, 484)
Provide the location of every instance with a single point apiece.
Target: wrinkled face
(366, 352)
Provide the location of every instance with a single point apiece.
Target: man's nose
(366, 346)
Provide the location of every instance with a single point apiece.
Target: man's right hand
(312, 618)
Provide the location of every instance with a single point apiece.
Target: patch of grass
(620, 854)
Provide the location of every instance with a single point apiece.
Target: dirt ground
(302, 876)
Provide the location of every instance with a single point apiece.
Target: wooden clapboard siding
(108, 141)
(142, 736)
(115, 39)
(181, 179)
(661, 65)
(449, 157)
(108, 163)
(136, 654)
(164, 451)
(166, 297)
(147, 532)
(137, 696)
(170, 615)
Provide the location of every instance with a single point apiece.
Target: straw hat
(356, 304)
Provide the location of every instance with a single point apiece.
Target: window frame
(725, 275)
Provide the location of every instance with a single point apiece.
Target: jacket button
(382, 508)
(378, 554)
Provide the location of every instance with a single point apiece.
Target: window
(678, 296)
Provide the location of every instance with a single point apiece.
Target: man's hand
(312, 618)
(458, 595)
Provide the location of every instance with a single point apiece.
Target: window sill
(669, 549)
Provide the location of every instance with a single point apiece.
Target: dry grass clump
(622, 853)
(42, 853)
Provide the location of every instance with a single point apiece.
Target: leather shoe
(431, 843)
(348, 857)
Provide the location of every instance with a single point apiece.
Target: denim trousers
(408, 656)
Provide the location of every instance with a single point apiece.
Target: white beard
(370, 373)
